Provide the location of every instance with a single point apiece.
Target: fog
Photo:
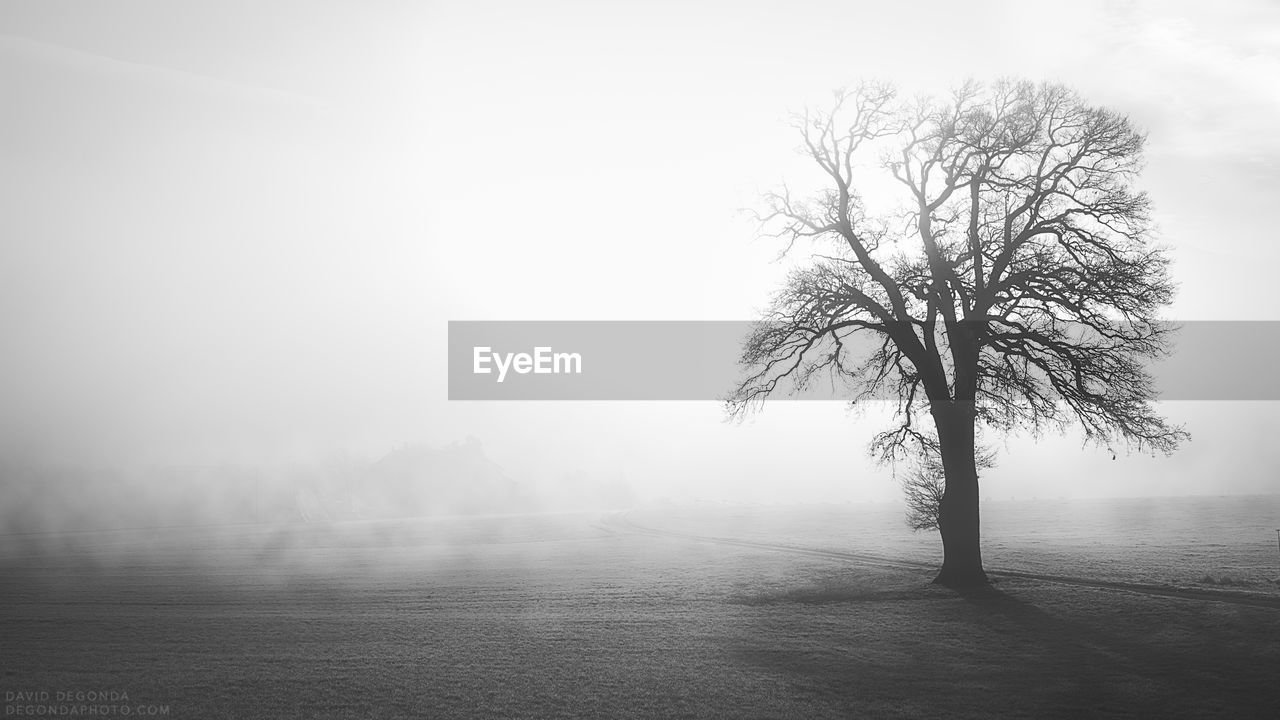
(231, 237)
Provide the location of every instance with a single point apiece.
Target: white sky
(232, 231)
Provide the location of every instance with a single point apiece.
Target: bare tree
(1017, 287)
(923, 488)
(925, 484)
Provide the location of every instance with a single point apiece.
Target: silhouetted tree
(923, 488)
(925, 484)
(1017, 286)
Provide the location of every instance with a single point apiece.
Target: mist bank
(412, 480)
(547, 457)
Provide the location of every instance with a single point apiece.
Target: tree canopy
(1015, 285)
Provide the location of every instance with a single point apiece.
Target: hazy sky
(234, 231)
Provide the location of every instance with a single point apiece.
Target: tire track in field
(621, 521)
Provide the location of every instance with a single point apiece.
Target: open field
(588, 616)
(1207, 542)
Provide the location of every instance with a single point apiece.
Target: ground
(584, 616)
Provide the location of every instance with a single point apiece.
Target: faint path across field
(624, 521)
(672, 612)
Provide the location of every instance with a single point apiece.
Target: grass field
(1185, 541)
(565, 616)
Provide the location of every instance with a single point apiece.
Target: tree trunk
(958, 520)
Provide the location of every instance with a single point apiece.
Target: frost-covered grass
(562, 617)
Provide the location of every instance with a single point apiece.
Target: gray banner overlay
(698, 360)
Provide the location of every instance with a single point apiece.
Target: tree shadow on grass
(1128, 668)
(925, 651)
